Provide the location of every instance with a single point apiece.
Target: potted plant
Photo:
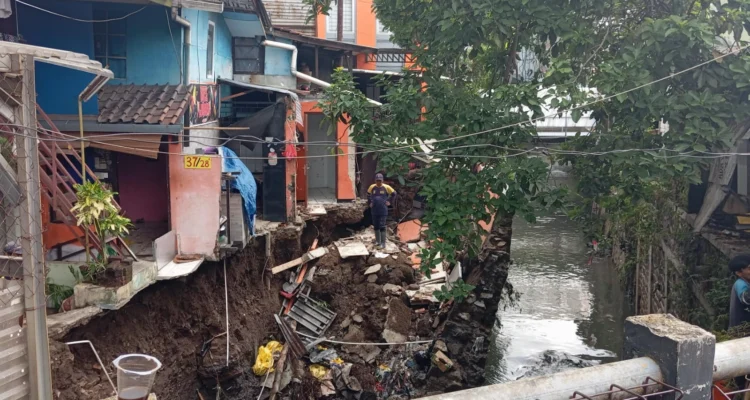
(95, 208)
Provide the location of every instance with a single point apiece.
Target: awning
(269, 89)
(322, 43)
(139, 144)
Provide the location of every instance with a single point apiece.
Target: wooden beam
(235, 95)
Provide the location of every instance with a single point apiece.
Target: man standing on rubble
(739, 301)
(380, 196)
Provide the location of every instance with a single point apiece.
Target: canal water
(566, 304)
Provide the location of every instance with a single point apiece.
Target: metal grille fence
(24, 350)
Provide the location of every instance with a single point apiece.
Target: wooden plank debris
(309, 256)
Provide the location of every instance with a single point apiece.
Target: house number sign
(197, 162)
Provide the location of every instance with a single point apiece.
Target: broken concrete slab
(309, 256)
(357, 318)
(352, 249)
(391, 248)
(411, 231)
(373, 269)
(372, 354)
(424, 295)
(372, 278)
(316, 209)
(397, 322)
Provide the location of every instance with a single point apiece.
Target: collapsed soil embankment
(172, 320)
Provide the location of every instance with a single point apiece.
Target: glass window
(210, 50)
(348, 16)
(110, 41)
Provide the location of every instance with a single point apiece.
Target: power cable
(78, 19)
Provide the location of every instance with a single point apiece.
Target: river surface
(566, 304)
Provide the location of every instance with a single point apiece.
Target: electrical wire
(78, 19)
(587, 104)
(519, 152)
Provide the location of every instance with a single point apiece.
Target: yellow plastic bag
(264, 360)
(318, 371)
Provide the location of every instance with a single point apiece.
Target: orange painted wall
(320, 26)
(54, 233)
(366, 27)
(194, 204)
(344, 182)
(290, 132)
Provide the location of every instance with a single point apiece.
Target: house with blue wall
(189, 78)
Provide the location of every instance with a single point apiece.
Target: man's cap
(739, 262)
(378, 177)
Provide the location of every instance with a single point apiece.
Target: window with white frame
(348, 16)
(210, 49)
(110, 42)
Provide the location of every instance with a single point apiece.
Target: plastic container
(135, 376)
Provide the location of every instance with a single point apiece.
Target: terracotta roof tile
(150, 104)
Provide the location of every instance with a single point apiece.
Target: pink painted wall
(195, 207)
(143, 187)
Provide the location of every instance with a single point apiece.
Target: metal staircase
(57, 186)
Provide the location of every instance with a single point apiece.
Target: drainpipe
(186, 43)
(308, 78)
(300, 75)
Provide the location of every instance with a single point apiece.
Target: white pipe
(324, 84)
(732, 359)
(226, 301)
(101, 364)
(298, 74)
(186, 43)
(562, 385)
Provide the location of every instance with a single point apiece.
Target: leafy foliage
(458, 291)
(95, 207)
(628, 52)
(56, 294)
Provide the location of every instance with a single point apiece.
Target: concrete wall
(199, 38)
(143, 189)
(151, 57)
(152, 54)
(57, 87)
(278, 61)
(194, 204)
(202, 138)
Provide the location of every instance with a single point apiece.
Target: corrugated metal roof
(14, 364)
(240, 5)
(143, 104)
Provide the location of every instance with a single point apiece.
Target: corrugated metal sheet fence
(14, 369)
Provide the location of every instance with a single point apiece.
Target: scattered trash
(380, 255)
(319, 371)
(313, 318)
(324, 355)
(292, 339)
(264, 360)
(424, 295)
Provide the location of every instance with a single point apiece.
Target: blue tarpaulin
(245, 184)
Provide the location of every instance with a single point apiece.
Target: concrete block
(150, 397)
(442, 361)
(86, 294)
(375, 268)
(684, 352)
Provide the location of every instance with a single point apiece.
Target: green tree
(472, 97)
